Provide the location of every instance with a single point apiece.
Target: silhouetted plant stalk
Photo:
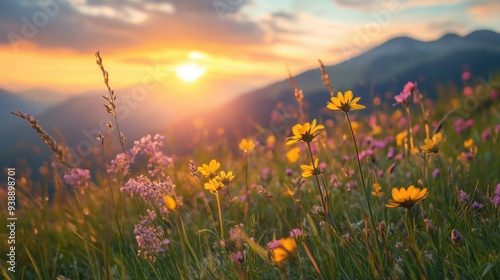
(110, 106)
(299, 96)
(46, 138)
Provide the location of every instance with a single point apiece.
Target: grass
(71, 226)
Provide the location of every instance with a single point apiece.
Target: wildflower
(310, 170)
(376, 190)
(225, 178)
(213, 186)
(400, 138)
(402, 98)
(431, 145)
(296, 232)
(409, 87)
(77, 177)
(476, 205)
(209, 170)
(435, 173)
(150, 147)
(246, 145)
(462, 196)
(465, 75)
(468, 91)
(344, 102)
(271, 139)
(486, 133)
(170, 202)
(456, 237)
(496, 198)
(293, 155)
(406, 197)
(150, 239)
(285, 250)
(469, 143)
(273, 244)
(193, 170)
(305, 133)
(151, 192)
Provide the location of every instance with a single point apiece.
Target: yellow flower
(376, 190)
(271, 139)
(293, 155)
(344, 102)
(246, 145)
(285, 250)
(225, 178)
(304, 132)
(406, 197)
(308, 169)
(209, 170)
(170, 202)
(213, 185)
(400, 138)
(469, 143)
(431, 145)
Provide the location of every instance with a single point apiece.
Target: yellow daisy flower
(225, 178)
(293, 155)
(468, 143)
(246, 145)
(406, 197)
(376, 190)
(344, 102)
(285, 250)
(170, 202)
(431, 145)
(209, 170)
(213, 186)
(309, 170)
(304, 132)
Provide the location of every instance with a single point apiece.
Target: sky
(227, 47)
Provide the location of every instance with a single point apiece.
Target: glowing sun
(190, 72)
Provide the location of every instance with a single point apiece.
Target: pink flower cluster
(77, 178)
(148, 146)
(150, 239)
(151, 192)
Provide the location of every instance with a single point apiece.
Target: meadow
(398, 188)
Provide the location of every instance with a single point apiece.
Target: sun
(190, 72)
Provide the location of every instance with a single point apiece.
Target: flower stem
(410, 128)
(220, 217)
(325, 206)
(361, 172)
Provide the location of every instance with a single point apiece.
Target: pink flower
(296, 232)
(468, 91)
(273, 244)
(409, 87)
(465, 75)
(402, 98)
(77, 177)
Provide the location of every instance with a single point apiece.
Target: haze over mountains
(385, 68)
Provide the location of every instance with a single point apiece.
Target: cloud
(484, 10)
(115, 25)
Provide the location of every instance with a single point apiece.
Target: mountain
(383, 69)
(10, 101)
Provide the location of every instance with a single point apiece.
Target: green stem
(220, 217)
(325, 207)
(361, 173)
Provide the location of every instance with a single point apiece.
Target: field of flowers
(373, 190)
